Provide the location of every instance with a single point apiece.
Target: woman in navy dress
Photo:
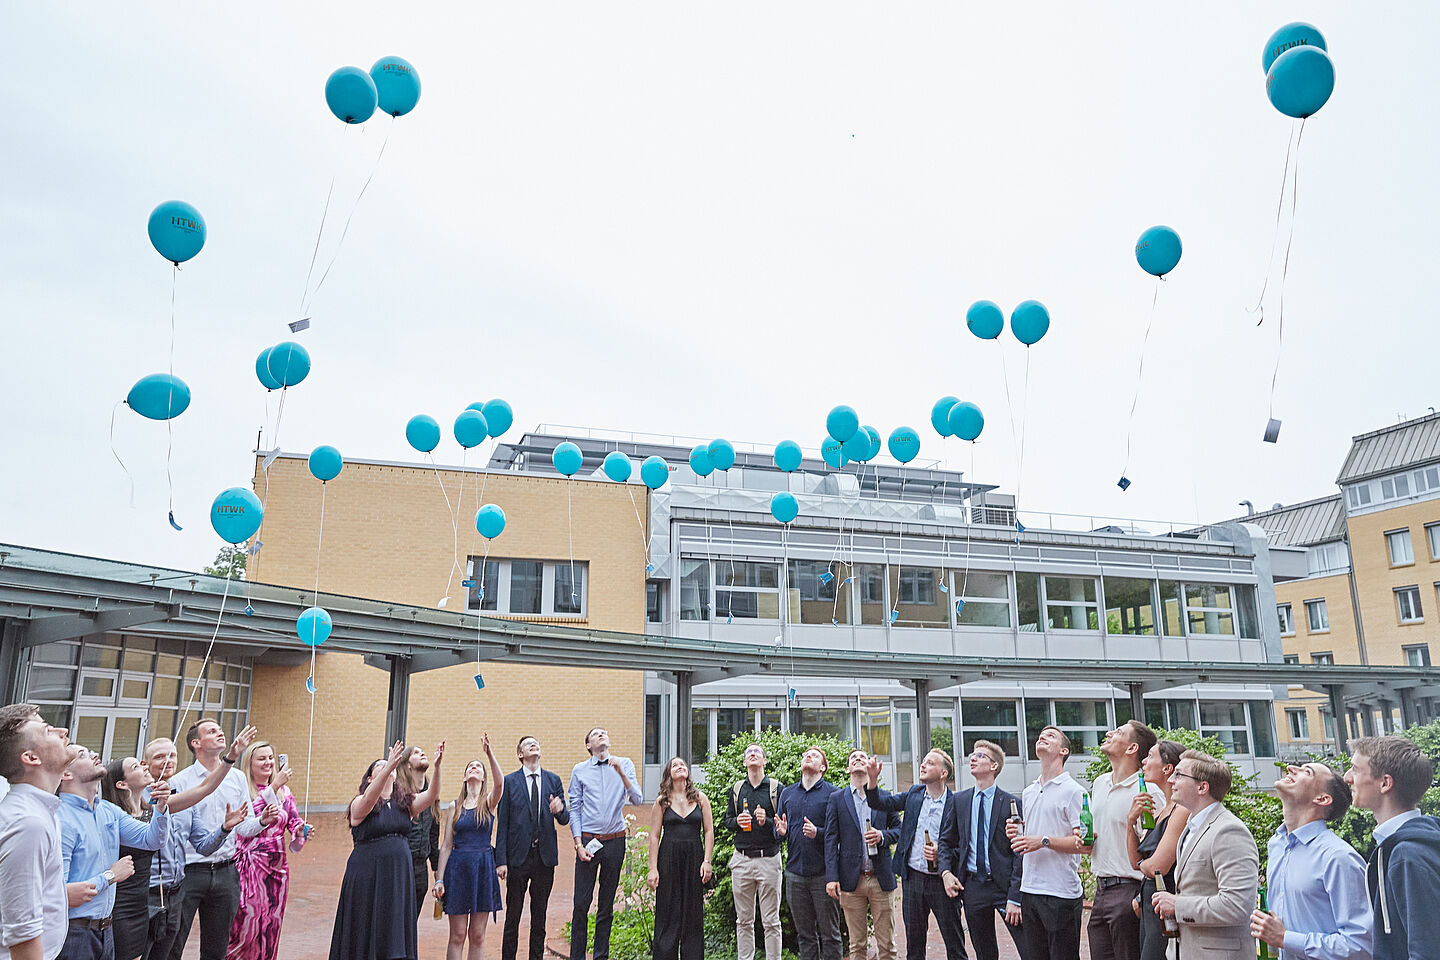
(468, 884)
(375, 918)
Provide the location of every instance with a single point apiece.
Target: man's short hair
(1064, 739)
(1402, 761)
(521, 742)
(1143, 736)
(193, 733)
(947, 760)
(851, 755)
(15, 738)
(993, 749)
(1334, 784)
(1209, 770)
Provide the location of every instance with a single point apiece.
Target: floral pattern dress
(264, 881)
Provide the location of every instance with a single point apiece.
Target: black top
(425, 838)
(1151, 842)
(760, 838)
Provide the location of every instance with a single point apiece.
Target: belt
(1105, 883)
(212, 867)
(762, 852)
(602, 836)
(868, 873)
(91, 923)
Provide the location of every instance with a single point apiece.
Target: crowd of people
(104, 861)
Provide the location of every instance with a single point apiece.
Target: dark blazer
(845, 844)
(512, 818)
(910, 802)
(1006, 865)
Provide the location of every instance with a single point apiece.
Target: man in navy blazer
(989, 871)
(860, 879)
(525, 849)
(929, 809)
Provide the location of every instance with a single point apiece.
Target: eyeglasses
(1187, 776)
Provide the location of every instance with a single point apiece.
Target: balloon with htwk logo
(721, 454)
(567, 458)
(326, 463)
(904, 444)
(617, 466)
(397, 85)
(940, 415)
(177, 231)
(1029, 322)
(423, 432)
(314, 626)
(498, 415)
(489, 521)
(842, 422)
(1297, 34)
(966, 420)
(262, 370)
(160, 396)
(289, 363)
(700, 460)
(832, 451)
(857, 448)
(235, 514)
(350, 95)
(873, 450)
(654, 472)
(1158, 250)
(788, 455)
(471, 428)
(784, 507)
(1300, 81)
(985, 319)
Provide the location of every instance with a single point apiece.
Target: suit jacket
(514, 828)
(845, 844)
(910, 803)
(1216, 879)
(1006, 866)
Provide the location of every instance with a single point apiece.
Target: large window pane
(1169, 592)
(489, 583)
(921, 601)
(824, 721)
(875, 726)
(816, 592)
(1262, 728)
(1085, 722)
(745, 589)
(700, 733)
(1027, 601)
(57, 653)
(569, 589)
(695, 591)
(993, 720)
(1225, 721)
(1209, 609)
(740, 573)
(526, 577)
(652, 729)
(1129, 608)
(1071, 604)
(1245, 608)
(50, 683)
(986, 596)
(1037, 717)
(869, 587)
(729, 723)
(101, 656)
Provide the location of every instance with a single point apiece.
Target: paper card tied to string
(255, 546)
(302, 324)
(1272, 431)
(249, 610)
(791, 697)
(479, 682)
(310, 683)
(940, 585)
(1123, 483)
(269, 458)
(959, 608)
(649, 569)
(826, 577)
(178, 527)
(894, 615)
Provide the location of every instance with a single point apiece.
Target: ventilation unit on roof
(995, 509)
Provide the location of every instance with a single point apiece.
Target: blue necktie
(982, 842)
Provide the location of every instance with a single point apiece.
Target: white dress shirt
(209, 813)
(32, 872)
(1110, 807)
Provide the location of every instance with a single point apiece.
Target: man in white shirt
(33, 900)
(1114, 928)
(212, 885)
(1050, 892)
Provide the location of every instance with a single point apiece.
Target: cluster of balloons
(475, 424)
(847, 439)
(952, 417)
(1299, 76)
(283, 365)
(1158, 250)
(654, 471)
(353, 94)
(177, 231)
(1029, 321)
(706, 458)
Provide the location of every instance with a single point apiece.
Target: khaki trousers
(749, 877)
(881, 906)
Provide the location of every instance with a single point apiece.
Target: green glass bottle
(1147, 818)
(1087, 820)
(1264, 908)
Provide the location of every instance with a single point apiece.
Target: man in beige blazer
(1217, 872)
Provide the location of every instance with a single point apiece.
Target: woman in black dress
(375, 918)
(1156, 851)
(682, 840)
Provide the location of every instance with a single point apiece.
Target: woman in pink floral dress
(261, 860)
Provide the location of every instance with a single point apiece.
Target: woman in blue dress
(468, 884)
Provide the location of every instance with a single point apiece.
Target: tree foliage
(229, 563)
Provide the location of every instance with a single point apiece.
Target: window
(1262, 727)
(1408, 601)
(695, 590)
(1393, 487)
(1287, 619)
(1327, 558)
(993, 720)
(526, 588)
(1070, 604)
(1225, 721)
(1323, 659)
(869, 589)
(921, 603)
(1298, 723)
(1085, 722)
(819, 592)
(654, 749)
(1359, 495)
(1169, 592)
(569, 589)
(1129, 607)
(1170, 714)
(747, 590)
(653, 612)
(986, 596)
(1432, 534)
(1417, 655)
(526, 580)
(875, 726)
(1401, 550)
(1027, 604)
(1291, 658)
(1318, 615)
(1210, 609)
(700, 733)
(917, 585)
(824, 721)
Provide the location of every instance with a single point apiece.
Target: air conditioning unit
(995, 509)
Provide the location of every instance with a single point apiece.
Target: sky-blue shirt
(932, 810)
(806, 856)
(597, 796)
(862, 813)
(90, 840)
(1317, 889)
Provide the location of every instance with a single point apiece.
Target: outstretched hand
(392, 760)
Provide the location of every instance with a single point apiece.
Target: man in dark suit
(525, 849)
(929, 809)
(858, 871)
(976, 856)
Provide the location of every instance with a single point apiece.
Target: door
(111, 732)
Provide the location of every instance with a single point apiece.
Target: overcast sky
(709, 221)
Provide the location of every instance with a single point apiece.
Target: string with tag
(1139, 377)
(200, 677)
(644, 540)
(307, 304)
(169, 421)
(969, 535)
(310, 680)
(454, 523)
(116, 453)
(1272, 426)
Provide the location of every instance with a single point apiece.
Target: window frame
(1287, 619)
(1210, 730)
(1312, 605)
(1400, 537)
(1421, 648)
(1298, 730)
(1418, 613)
(1432, 537)
(1093, 607)
(503, 585)
(776, 591)
(1327, 661)
(959, 590)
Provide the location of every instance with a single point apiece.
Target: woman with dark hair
(375, 918)
(468, 884)
(1155, 853)
(682, 840)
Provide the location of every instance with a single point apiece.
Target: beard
(420, 767)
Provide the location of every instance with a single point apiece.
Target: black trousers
(1052, 926)
(83, 943)
(981, 901)
(816, 916)
(213, 891)
(539, 879)
(164, 922)
(921, 895)
(607, 863)
(422, 886)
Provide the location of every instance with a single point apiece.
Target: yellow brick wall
(1385, 635)
(388, 536)
(1339, 640)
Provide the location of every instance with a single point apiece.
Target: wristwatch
(109, 877)
(1044, 841)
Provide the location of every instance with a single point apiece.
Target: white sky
(712, 220)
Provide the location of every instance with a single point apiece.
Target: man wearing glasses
(755, 867)
(987, 872)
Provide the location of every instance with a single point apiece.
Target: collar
(49, 800)
(1384, 831)
(75, 800)
(596, 761)
(988, 792)
(1303, 833)
(818, 780)
(857, 791)
(1042, 783)
(1128, 781)
(530, 773)
(1198, 818)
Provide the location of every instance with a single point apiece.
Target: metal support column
(922, 717)
(397, 711)
(12, 635)
(1367, 720)
(1337, 712)
(1137, 702)
(1409, 715)
(684, 690)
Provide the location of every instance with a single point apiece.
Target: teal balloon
(904, 444)
(966, 420)
(985, 319)
(567, 458)
(940, 415)
(350, 95)
(842, 422)
(397, 85)
(423, 432)
(326, 463)
(788, 455)
(1300, 81)
(832, 451)
(784, 507)
(498, 415)
(857, 447)
(314, 626)
(617, 466)
(722, 454)
(700, 460)
(471, 428)
(262, 370)
(654, 472)
(873, 450)
(289, 363)
(489, 521)
(1029, 322)
(160, 396)
(1158, 250)
(177, 231)
(1298, 34)
(235, 514)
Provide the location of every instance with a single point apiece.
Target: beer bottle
(870, 848)
(1087, 820)
(752, 822)
(1147, 819)
(933, 866)
(1015, 814)
(1168, 925)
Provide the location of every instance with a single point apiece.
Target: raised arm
(497, 779)
(363, 804)
(426, 797)
(141, 835)
(445, 839)
(188, 798)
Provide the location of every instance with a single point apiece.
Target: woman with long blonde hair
(682, 840)
(468, 885)
(261, 860)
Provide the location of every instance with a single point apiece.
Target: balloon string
(1290, 144)
(319, 542)
(480, 577)
(1285, 270)
(1024, 426)
(334, 172)
(570, 528)
(1140, 376)
(314, 602)
(1010, 409)
(265, 469)
(965, 582)
(454, 522)
(644, 541)
(336, 256)
(170, 398)
(116, 454)
(200, 677)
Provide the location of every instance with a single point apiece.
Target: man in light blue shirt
(91, 834)
(599, 788)
(1319, 907)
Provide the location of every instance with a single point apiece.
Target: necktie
(982, 842)
(535, 804)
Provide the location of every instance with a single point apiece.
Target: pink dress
(264, 880)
